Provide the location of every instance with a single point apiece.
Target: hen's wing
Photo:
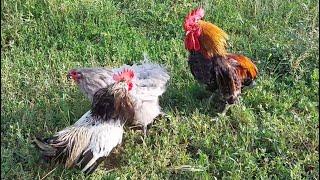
(104, 139)
(150, 79)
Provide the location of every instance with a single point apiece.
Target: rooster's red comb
(198, 12)
(193, 16)
(126, 74)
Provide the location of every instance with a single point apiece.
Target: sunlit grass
(272, 133)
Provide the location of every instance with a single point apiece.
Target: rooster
(211, 64)
(92, 138)
(149, 84)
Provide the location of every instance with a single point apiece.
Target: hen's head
(192, 29)
(124, 79)
(75, 75)
(87, 76)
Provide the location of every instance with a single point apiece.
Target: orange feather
(213, 40)
(247, 68)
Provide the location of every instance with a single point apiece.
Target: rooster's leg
(223, 113)
(210, 99)
(226, 108)
(250, 86)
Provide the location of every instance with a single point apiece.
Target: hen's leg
(144, 131)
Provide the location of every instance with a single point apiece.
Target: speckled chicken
(149, 84)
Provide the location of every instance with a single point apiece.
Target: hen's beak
(68, 76)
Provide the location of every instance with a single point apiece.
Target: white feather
(91, 134)
(150, 84)
(105, 137)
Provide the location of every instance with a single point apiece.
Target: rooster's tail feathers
(248, 68)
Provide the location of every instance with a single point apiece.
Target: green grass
(272, 133)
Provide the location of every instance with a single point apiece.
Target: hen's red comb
(126, 74)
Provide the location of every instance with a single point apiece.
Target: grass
(272, 133)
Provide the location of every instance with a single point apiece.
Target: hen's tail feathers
(87, 162)
(50, 149)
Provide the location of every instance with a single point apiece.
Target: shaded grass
(272, 133)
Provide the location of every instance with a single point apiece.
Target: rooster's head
(192, 29)
(202, 36)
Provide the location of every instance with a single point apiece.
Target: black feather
(228, 81)
(49, 149)
(103, 103)
(106, 107)
(202, 70)
(84, 159)
(94, 165)
(217, 73)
